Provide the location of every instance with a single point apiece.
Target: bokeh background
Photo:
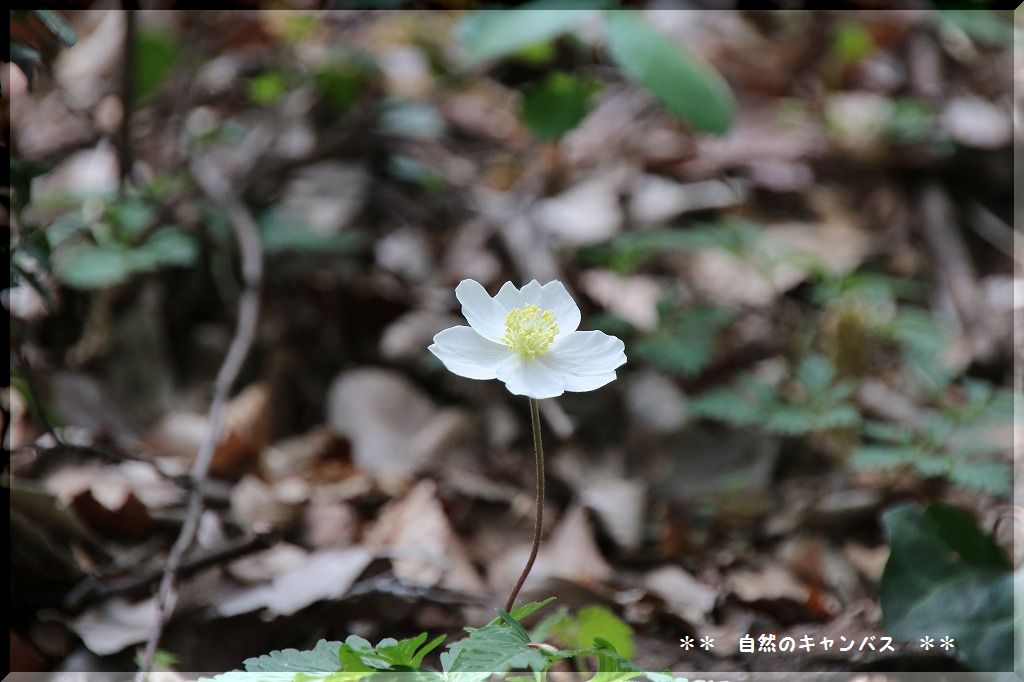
(799, 222)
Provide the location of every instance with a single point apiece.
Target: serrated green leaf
(323, 657)
(945, 577)
(494, 649)
(523, 610)
(690, 89)
(882, 457)
(686, 346)
(994, 478)
(725, 404)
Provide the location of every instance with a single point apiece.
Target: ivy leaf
(691, 90)
(945, 577)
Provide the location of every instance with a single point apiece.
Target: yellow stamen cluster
(529, 330)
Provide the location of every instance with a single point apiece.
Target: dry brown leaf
(414, 532)
(683, 594)
(115, 624)
(634, 298)
(323, 575)
(569, 553)
(395, 429)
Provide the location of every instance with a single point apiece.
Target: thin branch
(218, 189)
(124, 142)
(92, 589)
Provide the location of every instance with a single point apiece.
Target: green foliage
(93, 266)
(685, 342)
(489, 34)
(497, 648)
(503, 645)
(954, 443)
(945, 577)
(321, 658)
(156, 53)
(689, 89)
(267, 88)
(557, 105)
(344, 77)
(282, 233)
(982, 25)
(628, 252)
(851, 42)
(581, 631)
(815, 400)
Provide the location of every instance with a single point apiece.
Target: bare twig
(94, 589)
(953, 268)
(218, 188)
(124, 143)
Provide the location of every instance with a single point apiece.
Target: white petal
(466, 353)
(553, 296)
(587, 383)
(586, 354)
(483, 313)
(509, 296)
(531, 378)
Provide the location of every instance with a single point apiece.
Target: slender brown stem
(538, 451)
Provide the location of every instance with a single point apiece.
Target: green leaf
(523, 610)
(494, 649)
(945, 577)
(267, 88)
(556, 106)
(156, 53)
(995, 478)
(883, 457)
(488, 34)
(691, 90)
(282, 233)
(95, 267)
(598, 623)
(687, 346)
(725, 404)
(321, 658)
(58, 25)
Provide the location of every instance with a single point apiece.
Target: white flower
(527, 338)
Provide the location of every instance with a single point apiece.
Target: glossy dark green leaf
(945, 577)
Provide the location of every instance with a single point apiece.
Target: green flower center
(529, 330)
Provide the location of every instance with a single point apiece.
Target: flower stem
(538, 451)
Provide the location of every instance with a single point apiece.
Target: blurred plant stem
(538, 451)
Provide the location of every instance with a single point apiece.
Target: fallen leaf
(634, 298)
(587, 213)
(324, 575)
(570, 553)
(115, 624)
(683, 594)
(395, 429)
(415, 533)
